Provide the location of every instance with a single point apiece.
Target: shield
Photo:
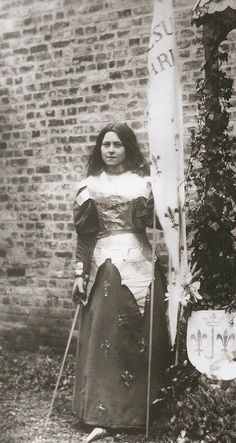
(211, 343)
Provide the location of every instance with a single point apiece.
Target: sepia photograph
(117, 221)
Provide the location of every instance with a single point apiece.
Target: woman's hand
(79, 289)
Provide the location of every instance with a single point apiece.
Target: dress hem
(118, 426)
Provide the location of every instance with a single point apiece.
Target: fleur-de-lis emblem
(106, 288)
(141, 345)
(122, 318)
(199, 339)
(211, 343)
(171, 214)
(225, 338)
(128, 378)
(155, 160)
(100, 411)
(106, 346)
(148, 297)
(177, 142)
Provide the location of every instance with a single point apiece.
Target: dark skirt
(112, 353)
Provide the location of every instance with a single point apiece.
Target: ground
(200, 410)
(23, 418)
(27, 381)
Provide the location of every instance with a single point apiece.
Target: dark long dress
(112, 354)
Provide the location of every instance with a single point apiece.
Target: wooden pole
(63, 363)
(151, 323)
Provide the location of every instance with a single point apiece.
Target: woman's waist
(119, 230)
(122, 246)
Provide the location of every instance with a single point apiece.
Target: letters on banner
(165, 126)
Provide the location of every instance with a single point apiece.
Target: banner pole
(151, 323)
(182, 264)
(62, 365)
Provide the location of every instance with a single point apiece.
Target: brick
(83, 109)
(90, 29)
(3, 253)
(79, 31)
(61, 44)
(192, 65)
(18, 162)
(30, 31)
(6, 300)
(4, 197)
(35, 133)
(56, 122)
(45, 85)
(134, 41)
(54, 178)
(21, 51)
(83, 58)
(38, 48)
(11, 35)
(16, 272)
(104, 108)
(59, 83)
(77, 139)
(71, 111)
(96, 6)
(124, 13)
(3, 91)
(115, 75)
(43, 169)
(64, 254)
(56, 102)
(141, 72)
(16, 180)
(70, 121)
(47, 17)
(60, 25)
(28, 21)
(28, 152)
(73, 101)
(107, 36)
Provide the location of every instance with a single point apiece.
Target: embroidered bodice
(115, 197)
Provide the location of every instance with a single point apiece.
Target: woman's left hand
(79, 289)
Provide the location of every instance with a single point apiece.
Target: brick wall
(66, 68)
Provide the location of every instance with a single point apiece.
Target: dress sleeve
(143, 210)
(86, 225)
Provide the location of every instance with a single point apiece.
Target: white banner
(166, 145)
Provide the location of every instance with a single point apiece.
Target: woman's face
(112, 151)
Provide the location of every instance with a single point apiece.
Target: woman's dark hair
(134, 160)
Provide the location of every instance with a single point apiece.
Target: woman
(113, 207)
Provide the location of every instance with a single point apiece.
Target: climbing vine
(211, 182)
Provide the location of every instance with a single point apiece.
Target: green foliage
(211, 180)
